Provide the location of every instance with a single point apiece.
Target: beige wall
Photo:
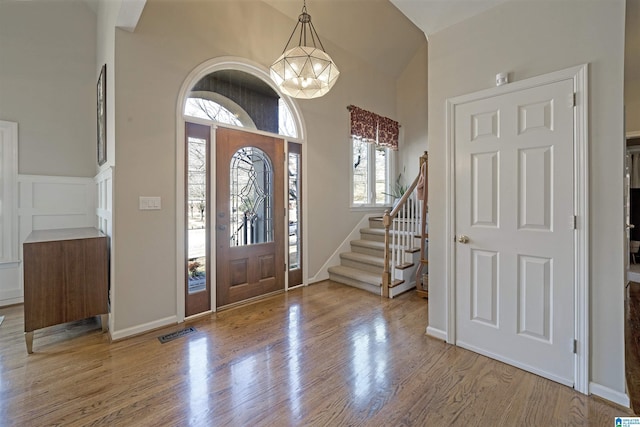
(529, 38)
(48, 84)
(632, 66)
(412, 113)
(107, 15)
(171, 39)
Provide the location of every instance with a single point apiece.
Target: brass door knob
(463, 239)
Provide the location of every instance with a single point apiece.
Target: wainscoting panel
(104, 191)
(46, 202)
(55, 202)
(103, 187)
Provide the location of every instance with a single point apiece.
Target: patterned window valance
(372, 128)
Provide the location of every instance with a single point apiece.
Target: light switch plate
(150, 203)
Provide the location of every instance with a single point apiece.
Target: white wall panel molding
(8, 196)
(104, 200)
(10, 288)
(46, 202)
(55, 202)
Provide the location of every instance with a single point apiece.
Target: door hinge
(574, 99)
(575, 346)
(285, 266)
(574, 222)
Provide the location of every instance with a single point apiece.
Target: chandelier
(304, 71)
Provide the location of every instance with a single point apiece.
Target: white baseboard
(146, 327)
(316, 279)
(321, 276)
(621, 399)
(400, 289)
(11, 301)
(436, 333)
(10, 284)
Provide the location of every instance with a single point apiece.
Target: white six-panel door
(515, 229)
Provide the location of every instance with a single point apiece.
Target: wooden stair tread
(395, 283)
(404, 266)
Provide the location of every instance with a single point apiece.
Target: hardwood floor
(632, 343)
(322, 355)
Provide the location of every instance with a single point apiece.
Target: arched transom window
(240, 99)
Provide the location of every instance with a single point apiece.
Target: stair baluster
(399, 225)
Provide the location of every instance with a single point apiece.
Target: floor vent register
(177, 334)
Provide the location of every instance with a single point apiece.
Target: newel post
(386, 273)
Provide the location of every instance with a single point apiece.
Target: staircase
(363, 266)
(391, 255)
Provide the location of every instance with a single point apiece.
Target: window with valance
(374, 138)
(373, 128)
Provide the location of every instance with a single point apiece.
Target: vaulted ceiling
(384, 33)
(374, 30)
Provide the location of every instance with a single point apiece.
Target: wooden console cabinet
(65, 278)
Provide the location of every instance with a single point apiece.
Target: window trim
(225, 103)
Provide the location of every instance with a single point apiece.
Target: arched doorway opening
(229, 210)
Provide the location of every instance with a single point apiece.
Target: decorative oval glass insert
(251, 197)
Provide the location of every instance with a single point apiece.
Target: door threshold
(249, 301)
(198, 316)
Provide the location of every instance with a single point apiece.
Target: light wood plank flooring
(325, 355)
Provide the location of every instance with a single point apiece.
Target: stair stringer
(408, 275)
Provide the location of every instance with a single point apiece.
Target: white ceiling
(432, 16)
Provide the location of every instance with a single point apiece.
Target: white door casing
(518, 290)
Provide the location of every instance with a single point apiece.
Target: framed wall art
(102, 116)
